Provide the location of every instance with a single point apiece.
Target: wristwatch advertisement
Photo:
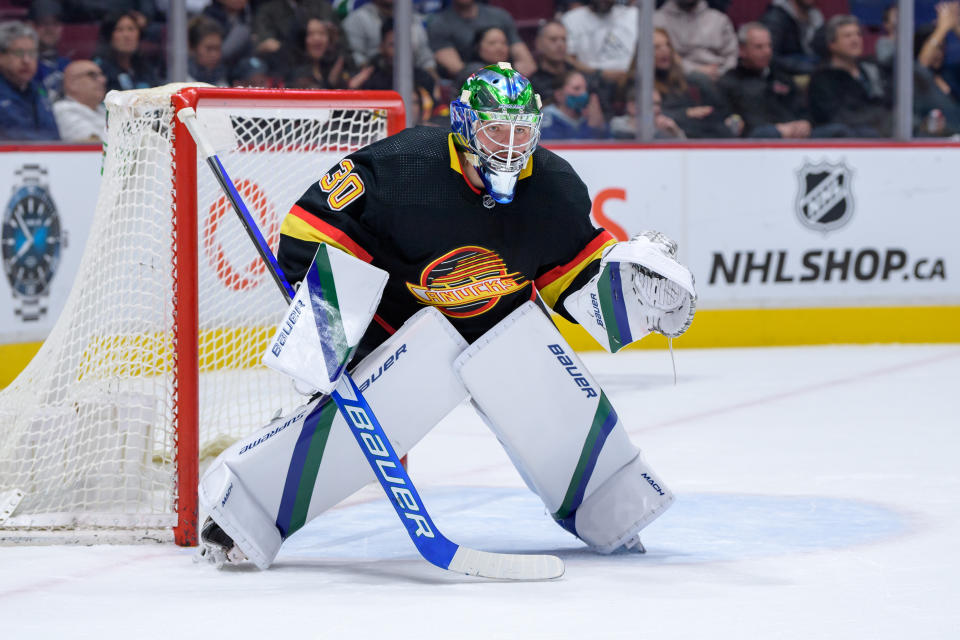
(31, 239)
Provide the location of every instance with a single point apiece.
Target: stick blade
(506, 566)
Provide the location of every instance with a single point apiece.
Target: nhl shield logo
(825, 200)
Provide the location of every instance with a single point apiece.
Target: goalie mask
(496, 121)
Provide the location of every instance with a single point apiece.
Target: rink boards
(847, 243)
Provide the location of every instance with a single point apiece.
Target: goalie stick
(429, 541)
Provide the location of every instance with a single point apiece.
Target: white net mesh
(88, 430)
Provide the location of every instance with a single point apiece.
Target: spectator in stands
(602, 37)
(236, 19)
(625, 126)
(205, 61)
(765, 97)
(120, 57)
(793, 25)
(703, 37)
(362, 28)
(886, 45)
(278, 21)
(550, 54)
(936, 100)
(251, 72)
(689, 99)
(25, 110)
(44, 17)
(553, 62)
(574, 113)
(453, 30)
(318, 59)
(846, 90)
(80, 114)
(380, 75)
(489, 47)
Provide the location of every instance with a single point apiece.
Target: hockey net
(153, 364)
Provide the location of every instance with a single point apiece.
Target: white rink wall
(790, 227)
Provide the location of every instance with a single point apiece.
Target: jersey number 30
(341, 185)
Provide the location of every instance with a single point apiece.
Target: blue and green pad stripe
(604, 420)
(613, 308)
(304, 467)
(326, 311)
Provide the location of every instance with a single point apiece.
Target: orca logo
(825, 198)
(466, 282)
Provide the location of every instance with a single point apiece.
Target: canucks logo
(825, 199)
(466, 282)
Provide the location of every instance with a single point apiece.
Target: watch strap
(32, 174)
(30, 309)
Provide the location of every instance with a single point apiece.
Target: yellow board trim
(136, 355)
(14, 358)
(711, 328)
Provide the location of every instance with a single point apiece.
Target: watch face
(30, 240)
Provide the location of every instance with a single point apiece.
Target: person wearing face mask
(575, 113)
(704, 38)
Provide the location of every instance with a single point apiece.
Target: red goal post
(153, 365)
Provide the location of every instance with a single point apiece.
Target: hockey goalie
(426, 262)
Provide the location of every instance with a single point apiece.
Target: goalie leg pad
(629, 500)
(239, 514)
(299, 466)
(560, 430)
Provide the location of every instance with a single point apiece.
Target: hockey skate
(633, 545)
(216, 547)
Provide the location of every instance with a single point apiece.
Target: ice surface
(818, 496)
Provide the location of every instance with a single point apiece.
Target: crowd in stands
(793, 69)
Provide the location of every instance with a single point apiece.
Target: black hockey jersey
(404, 205)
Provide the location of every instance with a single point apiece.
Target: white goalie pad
(561, 431)
(268, 485)
(641, 288)
(326, 319)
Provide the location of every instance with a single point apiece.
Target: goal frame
(185, 268)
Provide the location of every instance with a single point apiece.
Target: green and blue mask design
(496, 120)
